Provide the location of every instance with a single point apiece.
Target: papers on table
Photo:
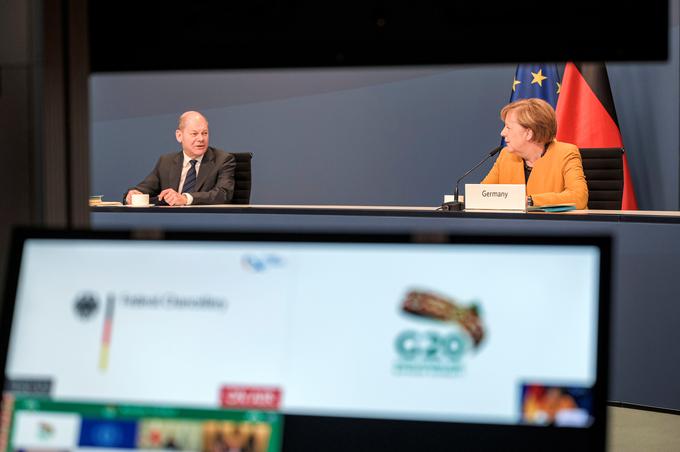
(552, 208)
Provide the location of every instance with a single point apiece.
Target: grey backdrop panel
(397, 136)
(318, 137)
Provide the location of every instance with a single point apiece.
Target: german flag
(587, 118)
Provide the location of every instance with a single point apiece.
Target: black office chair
(603, 168)
(243, 177)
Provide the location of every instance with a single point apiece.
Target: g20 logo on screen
(414, 345)
(453, 333)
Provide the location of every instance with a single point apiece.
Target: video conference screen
(248, 344)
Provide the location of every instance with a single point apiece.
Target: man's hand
(173, 198)
(128, 197)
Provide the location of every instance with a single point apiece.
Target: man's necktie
(190, 180)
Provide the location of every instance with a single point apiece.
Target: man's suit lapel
(176, 171)
(207, 165)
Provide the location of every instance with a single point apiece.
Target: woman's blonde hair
(536, 115)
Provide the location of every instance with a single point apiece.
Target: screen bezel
(307, 433)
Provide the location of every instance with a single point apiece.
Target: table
(645, 356)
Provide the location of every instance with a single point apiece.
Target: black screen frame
(310, 433)
(147, 36)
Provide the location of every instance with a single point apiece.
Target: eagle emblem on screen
(86, 305)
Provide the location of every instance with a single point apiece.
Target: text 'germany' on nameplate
(495, 197)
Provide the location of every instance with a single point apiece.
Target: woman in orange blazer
(551, 170)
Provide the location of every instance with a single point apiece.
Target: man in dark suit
(199, 174)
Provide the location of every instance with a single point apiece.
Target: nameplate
(495, 197)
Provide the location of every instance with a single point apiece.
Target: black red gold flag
(587, 118)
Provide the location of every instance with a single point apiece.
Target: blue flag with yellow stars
(536, 80)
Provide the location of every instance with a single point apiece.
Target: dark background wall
(16, 81)
(43, 116)
(365, 136)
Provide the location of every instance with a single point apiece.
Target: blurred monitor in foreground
(269, 342)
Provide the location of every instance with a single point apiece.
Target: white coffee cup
(140, 200)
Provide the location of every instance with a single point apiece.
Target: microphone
(456, 205)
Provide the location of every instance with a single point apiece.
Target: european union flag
(536, 80)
